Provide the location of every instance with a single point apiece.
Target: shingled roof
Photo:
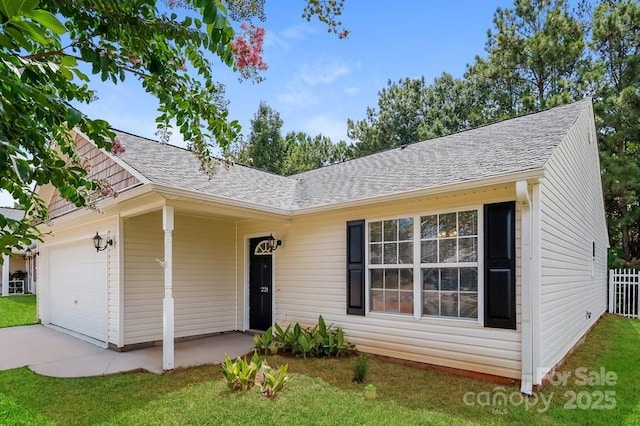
(178, 167)
(511, 146)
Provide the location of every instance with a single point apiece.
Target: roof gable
(102, 166)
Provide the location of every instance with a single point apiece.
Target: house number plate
(264, 289)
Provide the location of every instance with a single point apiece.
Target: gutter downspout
(522, 195)
(236, 266)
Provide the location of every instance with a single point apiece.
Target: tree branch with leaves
(172, 57)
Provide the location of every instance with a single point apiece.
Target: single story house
(17, 268)
(484, 251)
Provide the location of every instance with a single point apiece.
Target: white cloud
(352, 90)
(284, 39)
(323, 74)
(275, 40)
(330, 126)
(302, 89)
(297, 95)
(298, 31)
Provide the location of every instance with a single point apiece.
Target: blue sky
(316, 81)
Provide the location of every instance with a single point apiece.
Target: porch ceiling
(149, 199)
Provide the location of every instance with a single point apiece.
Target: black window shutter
(500, 265)
(355, 267)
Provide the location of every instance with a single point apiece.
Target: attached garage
(78, 283)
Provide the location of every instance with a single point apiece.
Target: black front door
(260, 288)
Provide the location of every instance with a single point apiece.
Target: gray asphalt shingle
(511, 146)
(178, 167)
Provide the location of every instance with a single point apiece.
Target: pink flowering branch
(247, 49)
(117, 147)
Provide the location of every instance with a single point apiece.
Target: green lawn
(18, 310)
(321, 392)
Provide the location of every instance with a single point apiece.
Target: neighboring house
(17, 268)
(482, 251)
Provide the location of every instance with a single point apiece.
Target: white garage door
(78, 289)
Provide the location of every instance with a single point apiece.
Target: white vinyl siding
(310, 280)
(573, 283)
(65, 235)
(113, 291)
(203, 276)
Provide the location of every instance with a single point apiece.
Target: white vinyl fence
(624, 286)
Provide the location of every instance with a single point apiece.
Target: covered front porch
(193, 249)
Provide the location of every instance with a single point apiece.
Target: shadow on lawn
(26, 299)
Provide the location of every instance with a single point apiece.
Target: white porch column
(5, 275)
(167, 303)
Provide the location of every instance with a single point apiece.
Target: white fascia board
(530, 175)
(162, 189)
(218, 199)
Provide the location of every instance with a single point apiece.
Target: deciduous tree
(43, 43)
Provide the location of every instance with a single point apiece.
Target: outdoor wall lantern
(273, 243)
(97, 242)
(28, 253)
(267, 246)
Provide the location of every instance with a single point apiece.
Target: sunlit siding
(113, 290)
(572, 217)
(66, 234)
(203, 277)
(310, 280)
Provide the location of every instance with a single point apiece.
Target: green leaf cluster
(317, 341)
(40, 78)
(271, 382)
(45, 46)
(242, 375)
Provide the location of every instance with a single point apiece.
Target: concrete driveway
(53, 353)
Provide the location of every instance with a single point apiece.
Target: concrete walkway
(53, 353)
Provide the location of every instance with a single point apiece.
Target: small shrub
(370, 392)
(243, 375)
(320, 340)
(265, 343)
(360, 368)
(270, 382)
(240, 374)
